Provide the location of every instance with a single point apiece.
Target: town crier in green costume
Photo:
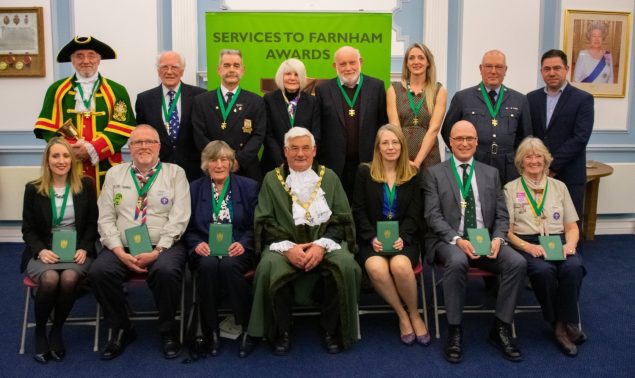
(98, 108)
(305, 233)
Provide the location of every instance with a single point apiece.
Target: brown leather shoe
(567, 347)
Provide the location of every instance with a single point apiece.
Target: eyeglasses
(296, 149)
(464, 139)
(139, 143)
(489, 67)
(166, 68)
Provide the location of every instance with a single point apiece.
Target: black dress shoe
(214, 344)
(575, 334)
(453, 351)
(330, 343)
(58, 355)
(282, 344)
(171, 345)
(42, 357)
(117, 343)
(247, 345)
(500, 337)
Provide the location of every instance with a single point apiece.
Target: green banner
(267, 39)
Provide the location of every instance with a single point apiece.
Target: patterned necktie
(229, 97)
(291, 108)
(173, 122)
(470, 211)
(492, 97)
(142, 202)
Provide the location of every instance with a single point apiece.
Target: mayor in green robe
(305, 232)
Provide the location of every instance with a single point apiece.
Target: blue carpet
(607, 306)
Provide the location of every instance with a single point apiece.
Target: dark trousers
(218, 277)
(325, 293)
(557, 286)
(108, 274)
(508, 265)
(348, 178)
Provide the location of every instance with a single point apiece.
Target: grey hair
(224, 52)
(181, 58)
(291, 65)
(296, 132)
(214, 150)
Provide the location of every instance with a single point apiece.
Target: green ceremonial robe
(274, 223)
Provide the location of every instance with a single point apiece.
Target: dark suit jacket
(331, 134)
(245, 132)
(37, 221)
(442, 209)
(514, 124)
(244, 192)
(184, 153)
(368, 205)
(568, 131)
(307, 115)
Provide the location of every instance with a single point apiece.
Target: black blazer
(368, 205)
(331, 134)
(307, 115)
(184, 153)
(568, 133)
(37, 221)
(245, 132)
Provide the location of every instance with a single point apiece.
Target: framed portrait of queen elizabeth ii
(597, 43)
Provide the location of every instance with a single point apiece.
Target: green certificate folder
(479, 237)
(387, 234)
(220, 238)
(138, 239)
(553, 247)
(64, 243)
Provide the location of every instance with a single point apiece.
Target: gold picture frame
(597, 43)
(22, 42)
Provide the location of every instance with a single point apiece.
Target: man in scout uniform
(500, 115)
(305, 235)
(352, 109)
(145, 193)
(460, 194)
(233, 115)
(92, 112)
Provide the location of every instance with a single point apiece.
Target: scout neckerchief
(490, 107)
(414, 107)
(92, 92)
(167, 113)
(146, 182)
(57, 220)
(536, 208)
(217, 204)
(390, 198)
(225, 111)
(294, 198)
(292, 106)
(351, 103)
(464, 187)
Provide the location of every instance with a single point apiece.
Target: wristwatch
(159, 249)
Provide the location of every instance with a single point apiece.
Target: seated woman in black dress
(222, 197)
(388, 189)
(541, 205)
(286, 107)
(60, 200)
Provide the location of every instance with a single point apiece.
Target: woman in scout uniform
(541, 206)
(417, 104)
(387, 189)
(60, 200)
(222, 197)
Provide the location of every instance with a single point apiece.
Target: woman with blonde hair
(60, 200)
(387, 189)
(417, 104)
